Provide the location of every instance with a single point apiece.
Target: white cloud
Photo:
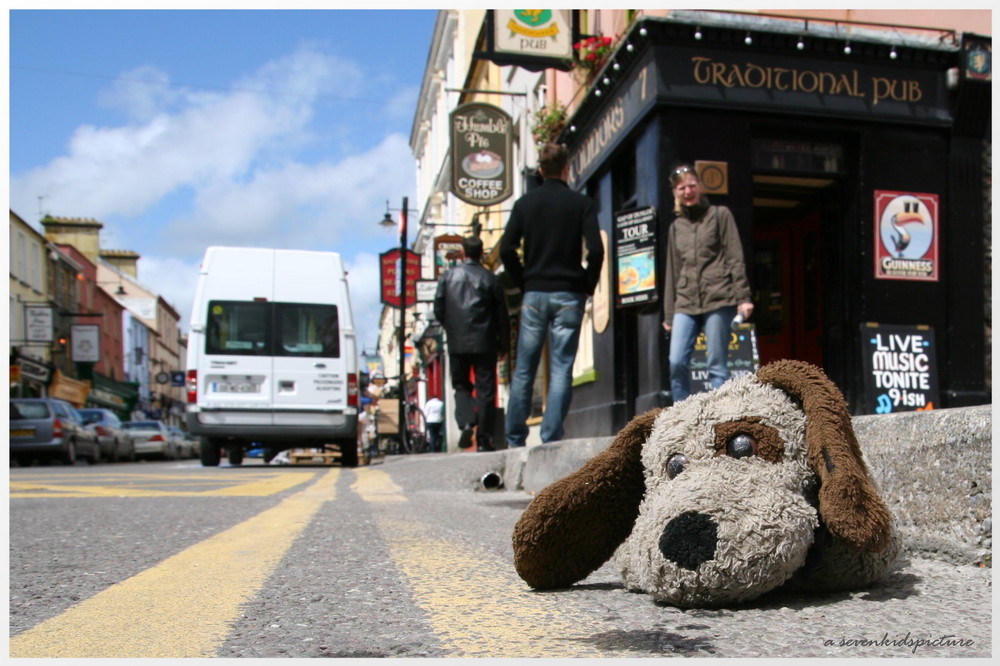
(249, 165)
(363, 280)
(327, 204)
(183, 138)
(174, 280)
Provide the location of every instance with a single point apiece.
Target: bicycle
(416, 429)
(413, 439)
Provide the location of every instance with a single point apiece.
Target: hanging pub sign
(38, 324)
(635, 256)
(447, 253)
(391, 274)
(978, 58)
(906, 236)
(533, 39)
(86, 343)
(900, 366)
(742, 360)
(481, 154)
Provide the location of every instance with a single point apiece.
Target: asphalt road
(401, 559)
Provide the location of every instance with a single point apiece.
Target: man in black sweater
(471, 306)
(554, 223)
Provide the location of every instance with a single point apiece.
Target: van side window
(238, 328)
(307, 330)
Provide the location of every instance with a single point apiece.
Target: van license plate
(22, 432)
(235, 387)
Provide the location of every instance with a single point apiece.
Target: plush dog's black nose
(689, 539)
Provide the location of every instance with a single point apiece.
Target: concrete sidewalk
(934, 470)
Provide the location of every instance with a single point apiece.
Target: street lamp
(401, 273)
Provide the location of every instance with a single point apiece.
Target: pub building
(858, 173)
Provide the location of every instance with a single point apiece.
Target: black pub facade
(858, 174)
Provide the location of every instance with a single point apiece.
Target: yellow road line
(475, 602)
(375, 485)
(184, 606)
(231, 487)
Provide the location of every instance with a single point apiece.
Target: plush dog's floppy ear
(849, 505)
(575, 524)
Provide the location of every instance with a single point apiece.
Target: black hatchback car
(49, 429)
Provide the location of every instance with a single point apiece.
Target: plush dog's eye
(741, 446)
(676, 465)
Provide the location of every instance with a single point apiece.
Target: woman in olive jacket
(705, 282)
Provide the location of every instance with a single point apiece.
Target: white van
(272, 357)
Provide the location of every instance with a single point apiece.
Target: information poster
(900, 366)
(635, 256)
(743, 358)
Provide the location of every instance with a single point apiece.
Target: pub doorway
(787, 270)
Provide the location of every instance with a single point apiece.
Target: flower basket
(591, 54)
(549, 122)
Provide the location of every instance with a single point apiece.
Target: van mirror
(197, 328)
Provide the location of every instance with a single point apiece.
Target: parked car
(49, 429)
(115, 443)
(153, 438)
(187, 446)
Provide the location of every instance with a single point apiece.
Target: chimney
(125, 261)
(82, 233)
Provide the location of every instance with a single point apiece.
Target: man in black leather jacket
(470, 304)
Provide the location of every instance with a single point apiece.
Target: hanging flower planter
(591, 54)
(549, 123)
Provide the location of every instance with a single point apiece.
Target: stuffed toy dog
(721, 498)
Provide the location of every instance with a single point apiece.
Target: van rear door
(238, 359)
(310, 373)
(235, 371)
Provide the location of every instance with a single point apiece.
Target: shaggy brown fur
(848, 502)
(588, 513)
(575, 525)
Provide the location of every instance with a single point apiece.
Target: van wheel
(348, 453)
(236, 454)
(211, 452)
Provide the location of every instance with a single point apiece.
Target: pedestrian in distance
(434, 416)
(705, 283)
(554, 223)
(471, 306)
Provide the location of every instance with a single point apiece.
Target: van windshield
(255, 328)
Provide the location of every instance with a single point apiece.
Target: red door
(788, 291)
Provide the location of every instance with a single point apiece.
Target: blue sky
(189, 128)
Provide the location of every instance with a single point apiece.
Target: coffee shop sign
(481, 154)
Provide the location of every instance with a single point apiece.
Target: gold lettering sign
(709, 71)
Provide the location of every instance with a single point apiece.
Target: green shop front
(119, 397)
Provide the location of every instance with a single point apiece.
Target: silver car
(115, 443)
(187, 445)
(153, 438)
(49, 429)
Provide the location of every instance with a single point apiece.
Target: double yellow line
(184, 606)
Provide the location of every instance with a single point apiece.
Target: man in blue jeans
(554, 223)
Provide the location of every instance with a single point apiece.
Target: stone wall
(934, 470)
